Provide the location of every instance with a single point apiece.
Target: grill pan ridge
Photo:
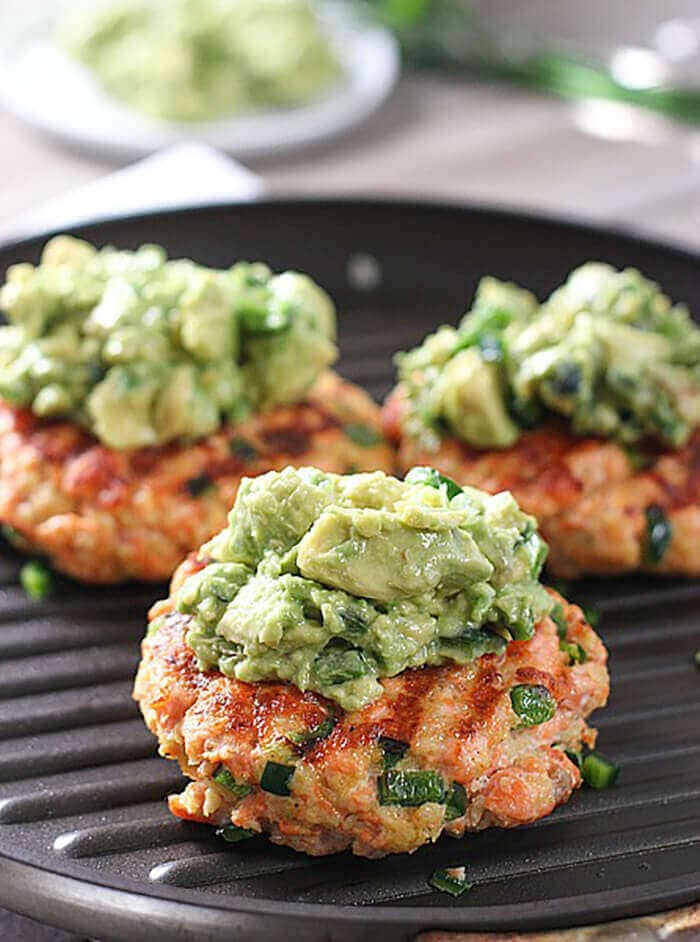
(86, 841)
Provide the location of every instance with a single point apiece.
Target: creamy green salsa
(332, 582)
(142, 350)
(607, 351)
(196, 59)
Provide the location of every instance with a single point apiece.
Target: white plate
(46, 89)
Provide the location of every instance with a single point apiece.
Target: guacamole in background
(332, 582)
(607, 351)
(191, 60)
(141, 350)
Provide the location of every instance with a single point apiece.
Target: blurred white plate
(45, 88)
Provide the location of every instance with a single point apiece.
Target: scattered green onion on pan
(36, 580)
(234, 834)
(410, 789)
(533, 704)
(433, 478)
(599, 772)
(276, 779)
(452, 880)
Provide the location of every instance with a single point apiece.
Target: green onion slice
(452, 880)
(363, 435)
(223, 777)
(658, 535)
(36, 580)
(410, 789)
(432, 478)
(456, 803)
(321, 731)
(598, 771)
(234, 834)
(557, 616)
(393, 750)
(577, 654)
(276, 779)
(533, 704)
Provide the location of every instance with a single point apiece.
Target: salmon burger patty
(601, 508)
(104, 515)
(441, 749)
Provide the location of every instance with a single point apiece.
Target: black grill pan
(86, 841)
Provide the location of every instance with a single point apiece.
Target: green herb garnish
(432, 478)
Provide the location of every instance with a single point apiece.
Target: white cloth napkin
(188, 174)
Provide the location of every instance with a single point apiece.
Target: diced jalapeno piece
(234, 834)
(592, 615)
(353, 621)
(199, 485)
(263, 320)
(456, 803)
(452, 880)
(433, 478)
(577, 654)
(410, 789)
(242, 449)
(393, 750)
(336, 665)
(574, 757)
(363, 435)
(223, 777)
(533, 704)
(598, 771)
(276, 779)
(474, 643)
(36, 580)
(659, 531)
(565, 379)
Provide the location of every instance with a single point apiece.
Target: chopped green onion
(242, 449)
(363, 435)
(452, 880)
(234, 834)
(577, 654)
(557, 616)
(533, 703)
(432, 478)
(456, 803)
(36, 580)
(276, 779)
(223, 777)
(658, 535)
(393, 750)
(473, 643)
(321, 731)
(592, 615)
(410, 789)
(599, 772)
(337, 665)
(199, 485)
(262, 320)
(353, 622)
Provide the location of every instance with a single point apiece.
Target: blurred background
(587, 109)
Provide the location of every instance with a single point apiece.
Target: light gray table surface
(456, 140)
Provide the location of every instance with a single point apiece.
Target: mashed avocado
(142, 350)
(190, 60)
(331, 582)
(607, 351)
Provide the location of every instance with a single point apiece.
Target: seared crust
(456, 720)
(588, 498)
(103, 516)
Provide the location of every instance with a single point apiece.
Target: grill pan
(86, 842)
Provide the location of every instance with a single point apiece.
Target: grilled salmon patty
(593, 504)
(103, 515)
(457, 721)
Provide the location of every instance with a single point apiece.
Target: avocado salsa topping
(190, 60)
(332, 582)
(607, 351)
(142, 350)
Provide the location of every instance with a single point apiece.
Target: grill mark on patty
(484, 694)
(685, 492)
